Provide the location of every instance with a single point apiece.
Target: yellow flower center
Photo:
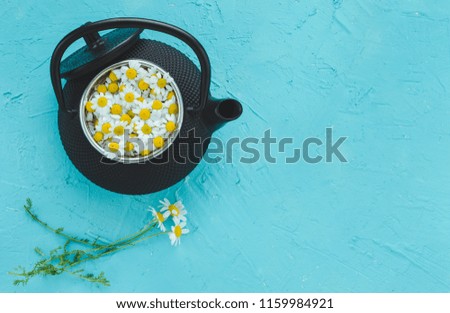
(146, 129)
(119, 130)
(174, 210)
(161, 83)
(129, 146)
(98, 136)
(159, 216)
(95, 122)
(177, 231)
(131, 73)
(101, 88)
(129, 97)
(116, 109)
(133, 135)
(141, 99)
(113, 146)
(102, 102)
(106, 128)
(153, 92)
(170, 126)
(173, 108)
(113, 87)
(157, 105)
(89, 107)
(121, 88)
(125, 118)
(112, 76)
(158, 142)
(144, 114)
(145, 152)
(143, 85)
(131, 113)
(170, 95)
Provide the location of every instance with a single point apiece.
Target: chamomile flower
(177, 231)
(175, 209)
(115, 148)
(88, 107)
(170, 125)
(160, 218)
(101, 103)
(113, 76)
(130, 72)
(157, 117)
(130, 148)
(144, 129)
(128, 96)
(159, 82)
(173, 108)
(104, 125)
(143, 110)
(112, 86)
(119, 128)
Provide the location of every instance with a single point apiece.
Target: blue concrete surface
(375, 71)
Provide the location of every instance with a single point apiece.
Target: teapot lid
(98, 51)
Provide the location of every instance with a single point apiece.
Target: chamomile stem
(60, 233)
(131, 237)
(92, 280)
(114, 249)
(86, 241)
(126, 241)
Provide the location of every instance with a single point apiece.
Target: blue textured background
(375, 71)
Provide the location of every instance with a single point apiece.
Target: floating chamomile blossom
(134, 99)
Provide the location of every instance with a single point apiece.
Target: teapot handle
(175, 31)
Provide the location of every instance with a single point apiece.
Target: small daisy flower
(119, 128)
(160, 217)
(177, 231)
(101, 103)
(105, 126)
(143, 110)
(130, 72)
(129, 95)
(170, 125)
(176, 209)
(130, 148)
(114, 76)
(157, 116)
(158, 82)
(173, 108)
(115, 148)
(112, 86)
(88, 106)
(143, 129)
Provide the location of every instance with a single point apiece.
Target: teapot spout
(220, 111)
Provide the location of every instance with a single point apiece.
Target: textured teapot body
(202, 114)
(156, 174)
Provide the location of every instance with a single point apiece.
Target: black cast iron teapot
(199, 113)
